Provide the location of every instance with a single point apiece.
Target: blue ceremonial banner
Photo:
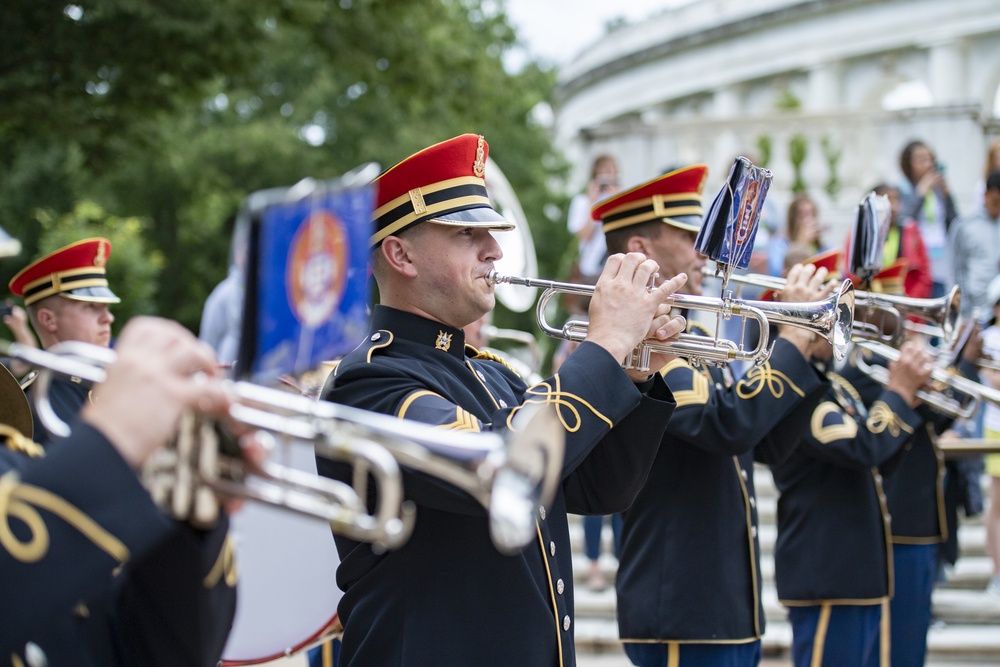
(308, 284)
(730, 228)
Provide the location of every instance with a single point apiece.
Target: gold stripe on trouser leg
(885, 636)
(673, 654)
(819, 640)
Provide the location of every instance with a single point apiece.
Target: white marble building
(707, 81)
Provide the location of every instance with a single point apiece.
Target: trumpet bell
(942, 312)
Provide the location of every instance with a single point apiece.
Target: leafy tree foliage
(169, 112)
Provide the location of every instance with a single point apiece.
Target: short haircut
(617, 239)
(993, 180)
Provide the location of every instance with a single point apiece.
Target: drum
(287, 563)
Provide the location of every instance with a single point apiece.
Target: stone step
(951, 606)
(969, 573)
(971, 538)
(947, 646)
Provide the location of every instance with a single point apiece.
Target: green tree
(197, 104)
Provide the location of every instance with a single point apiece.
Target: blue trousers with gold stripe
(915, 567)
(325, 655)
(674, 654)
(840, 635)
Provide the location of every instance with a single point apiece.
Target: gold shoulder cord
(16, 441)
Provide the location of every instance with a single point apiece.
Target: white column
(946, 69)
(825, 90)
(726, 102)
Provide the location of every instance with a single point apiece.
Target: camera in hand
(606, 183)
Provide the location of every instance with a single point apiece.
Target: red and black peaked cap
(443, 184)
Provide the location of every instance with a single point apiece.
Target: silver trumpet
(509, 475)
(883, 317)
(831, 318)
(941, 314)
(967, 393)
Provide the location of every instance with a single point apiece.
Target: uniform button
(753, 530)
(566, 623)
(35, 656)
(375, 337)
(753, 502)
(503, 403)
(560, 587)
(743, 473)
(481, 376)
(552, 548)
(541, 511)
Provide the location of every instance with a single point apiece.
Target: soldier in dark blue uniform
(67, 297)
(688, 580)
(93, 574)
(833, 557)
(448, 597)
(915, 499)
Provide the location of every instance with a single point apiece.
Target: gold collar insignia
(443, 341)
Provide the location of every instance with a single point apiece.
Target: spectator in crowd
(222, 314)
(590, 237)
(992, 164)
(927, 199)
(905, 242)
(974, 245)
(803, 228)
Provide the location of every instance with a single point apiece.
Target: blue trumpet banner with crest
(730, 228)
(311, 279)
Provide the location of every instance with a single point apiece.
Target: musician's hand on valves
(911, 371)
(805, 283)
(161, 370)
(624, 311)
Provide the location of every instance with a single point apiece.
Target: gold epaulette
(490, 356)
(16, 442)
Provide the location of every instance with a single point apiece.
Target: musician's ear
(637, 244)
(397, 254)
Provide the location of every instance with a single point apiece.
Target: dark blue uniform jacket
(447, 596)
(915, 488)
(93, 574)
(689, 567)
(67, 396)
(833, 524)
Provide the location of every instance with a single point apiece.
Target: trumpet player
(93, 573)
(833, 553)
(689, 577)
(915, 498)
(67, 296)
(447, 597)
